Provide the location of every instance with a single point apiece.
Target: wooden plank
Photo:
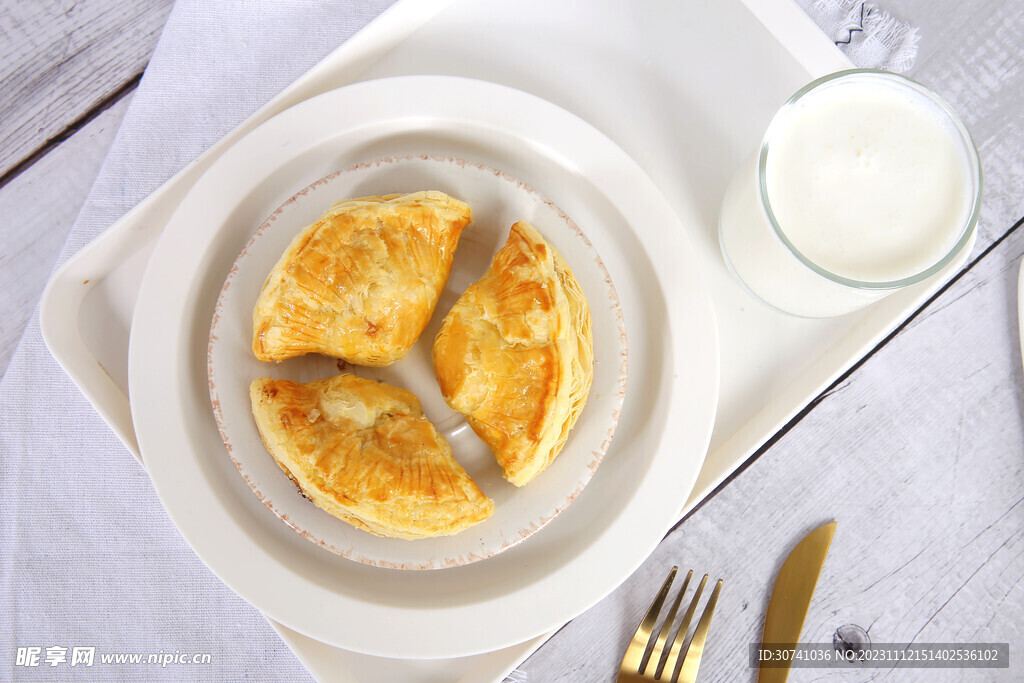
(38, 208)
(59, 59)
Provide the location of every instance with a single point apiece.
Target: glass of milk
(866, 182)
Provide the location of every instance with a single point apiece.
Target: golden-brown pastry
(364, 452)
(515, 354)
(362, 281)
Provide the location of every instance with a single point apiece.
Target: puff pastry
(515, 354)
(362, 281)
(363, 451)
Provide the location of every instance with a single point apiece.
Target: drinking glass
(757, 247)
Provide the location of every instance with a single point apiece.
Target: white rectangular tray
(685, 88)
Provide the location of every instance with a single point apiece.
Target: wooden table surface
(918, 452)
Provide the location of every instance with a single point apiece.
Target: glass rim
(974, 161)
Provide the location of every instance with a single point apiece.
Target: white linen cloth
(88, 558)
(868, 35)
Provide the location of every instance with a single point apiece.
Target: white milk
(870, 179)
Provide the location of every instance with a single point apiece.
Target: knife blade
(791, 596)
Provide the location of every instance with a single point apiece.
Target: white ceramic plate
(560, 571)
(498, 200)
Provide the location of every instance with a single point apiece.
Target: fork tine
(669, 665)
(635, 652)
(691, 662)
(656, 653)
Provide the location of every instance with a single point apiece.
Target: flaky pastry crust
(362, 281)
(363, 451)
(515, 354)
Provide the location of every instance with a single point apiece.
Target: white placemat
(90, 566)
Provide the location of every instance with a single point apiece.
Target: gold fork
(661, 664)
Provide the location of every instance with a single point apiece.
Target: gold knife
(791, 597)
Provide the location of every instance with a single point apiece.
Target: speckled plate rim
(575, 561)
(576, 464)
